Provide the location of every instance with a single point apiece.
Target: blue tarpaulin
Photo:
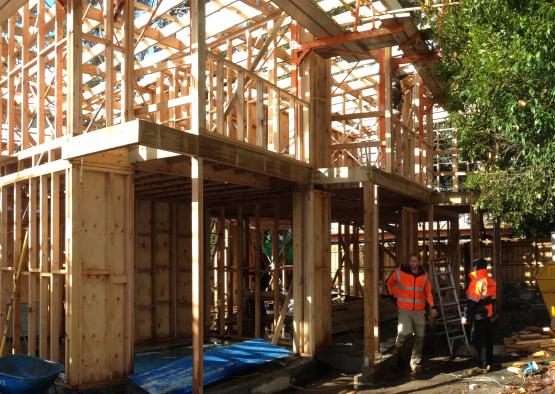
(176, 377)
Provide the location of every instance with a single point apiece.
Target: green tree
(498, 62)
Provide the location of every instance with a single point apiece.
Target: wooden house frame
(146, 150)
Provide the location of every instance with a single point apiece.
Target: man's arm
(391, 284)
(429, 295)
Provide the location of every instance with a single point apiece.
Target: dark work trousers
(483, 342)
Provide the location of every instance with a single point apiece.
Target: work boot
(474, 371)
(416, 368)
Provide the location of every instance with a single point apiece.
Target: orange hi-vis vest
(482, 290)
(411, 291)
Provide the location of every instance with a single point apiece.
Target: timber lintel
(454, 198)
(210, 147)
(358, 175)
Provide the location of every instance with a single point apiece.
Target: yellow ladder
(14, 292)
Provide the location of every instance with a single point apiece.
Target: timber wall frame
(94, 96)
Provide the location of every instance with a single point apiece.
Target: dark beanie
(479, 264)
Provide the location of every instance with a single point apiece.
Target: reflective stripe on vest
(410, 298)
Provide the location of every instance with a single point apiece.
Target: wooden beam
(9, 7)
(354, 175)
(211, 147)
(224, 151)
(357, 115)
(282, 314)
(228, 176)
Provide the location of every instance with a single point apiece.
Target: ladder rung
(457, 337)
(446, 288)
(448, 321)
(446, 272)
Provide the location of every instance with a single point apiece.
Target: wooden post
(454, 236)
(276, 260)
(208, 269)
(430, 236)
(5, 281)
(429, 149)
(59, 89)
(257, 255)
(55, 281)
(311, 271)
(356, 262)
(17, 242)
(347, 257)
(198, 125)
(127, 66)
(241, 112)
(11, 85)
(239, 251)
(109, 60)
(33, 265)
(44, 266)
(384, 105)
(320, 109)
(220, 247)
(474, 234)
(174, 270)
(497, 265)
(197, 271)
(371, 271)
(24, 108)
(74, 63)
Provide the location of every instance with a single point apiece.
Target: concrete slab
(272, 377)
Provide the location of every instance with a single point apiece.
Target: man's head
(479, 264)
(414, 261)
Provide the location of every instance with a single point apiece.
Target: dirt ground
(444, 374)
(440, 375)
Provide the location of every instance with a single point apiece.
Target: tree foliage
(498, 61)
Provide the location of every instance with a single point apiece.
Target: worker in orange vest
(479, 309)
(410, 285)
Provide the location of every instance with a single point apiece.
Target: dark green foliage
(498, 61)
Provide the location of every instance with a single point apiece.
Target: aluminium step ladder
(449, 305)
